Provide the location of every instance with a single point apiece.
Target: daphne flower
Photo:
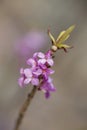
(32, 62)
(63, 36)
(46, 71)
(48, 87)
(28, 77)
(44, 58)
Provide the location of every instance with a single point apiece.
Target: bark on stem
(24, 108)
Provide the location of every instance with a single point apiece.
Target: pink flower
(46, 71)
(27, 77)
(32, 62)
(48, 87)
(44, 58)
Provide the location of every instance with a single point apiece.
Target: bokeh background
(67, 107)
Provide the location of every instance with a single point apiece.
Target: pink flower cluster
(38, 73)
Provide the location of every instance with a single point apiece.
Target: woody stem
(25, 107)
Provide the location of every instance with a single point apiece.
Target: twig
(24, 108)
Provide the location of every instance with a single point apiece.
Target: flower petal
(52, 88)
(31, 62)
(21, 82)
(37, 72)
(35, 81)
(28, 72)
(50, 62)
(50, 71)
(41, 55)
(27, 80)
(21, 71)
(41, 61)
(49, 54)
(47, 94)
(43, 66)
(35, 55)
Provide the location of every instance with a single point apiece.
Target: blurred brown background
(67, 107)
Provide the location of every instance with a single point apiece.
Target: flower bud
(54, 48)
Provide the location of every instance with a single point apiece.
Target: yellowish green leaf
(63, 46)
(52, 38)
(60, 35)
(64, 35)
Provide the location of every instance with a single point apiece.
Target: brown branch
(24, 108)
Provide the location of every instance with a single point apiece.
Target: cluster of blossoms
(38, 73)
